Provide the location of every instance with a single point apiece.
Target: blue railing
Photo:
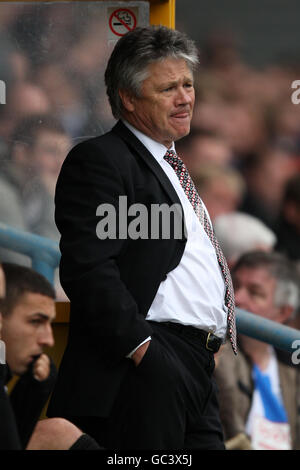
(44, 253)
(280, 336)
(45, 256)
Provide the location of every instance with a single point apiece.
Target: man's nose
(184, 96)
(46, 338)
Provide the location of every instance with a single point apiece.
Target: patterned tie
(194, 198)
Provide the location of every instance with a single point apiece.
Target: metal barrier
(45, 256)
(44, 253)
(280, 336)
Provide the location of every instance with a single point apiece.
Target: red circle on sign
(114, 15)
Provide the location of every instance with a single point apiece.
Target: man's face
(255, 290)
(164, 109)
(27, 330)
(219, 197)
(49, 151)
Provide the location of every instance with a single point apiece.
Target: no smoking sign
(121, 20)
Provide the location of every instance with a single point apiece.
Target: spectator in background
(266, 175)
(28, 311)
(204, 147)
(11, 214)
(9, 436)
(38, 148)
(66, 95)
(209, 112)
(288, 226)
(28, 308)
(24, 99)
(285, 123)
(221, 189)
(244, 128)
(258, 390)
(239, 233)
(240, 121)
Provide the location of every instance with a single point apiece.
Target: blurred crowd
(52, 63)
(243, 151)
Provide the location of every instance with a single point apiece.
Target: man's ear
(127, 100)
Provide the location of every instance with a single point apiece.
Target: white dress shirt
(193, 293)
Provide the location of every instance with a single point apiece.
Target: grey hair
(280, 268)
(127, 67)
(287, 293)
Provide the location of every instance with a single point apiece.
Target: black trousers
(168, 402)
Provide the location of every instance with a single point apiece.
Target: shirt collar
(157, 149)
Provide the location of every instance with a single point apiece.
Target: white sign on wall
(125, 16)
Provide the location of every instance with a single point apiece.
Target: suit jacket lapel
(153, 165)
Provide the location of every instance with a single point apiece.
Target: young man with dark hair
(9, 436)
(28, 308)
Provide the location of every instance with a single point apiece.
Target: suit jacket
(28, 398)
(235, 383)
(111, 283)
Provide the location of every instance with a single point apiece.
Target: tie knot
(170, 154)
(172, 158)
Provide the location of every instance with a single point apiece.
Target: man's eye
(257, 294)
(36, 321)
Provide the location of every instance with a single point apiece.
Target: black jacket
(9, 435)
(111, 283)
(20, 411)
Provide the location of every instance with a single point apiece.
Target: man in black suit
(141, 272)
